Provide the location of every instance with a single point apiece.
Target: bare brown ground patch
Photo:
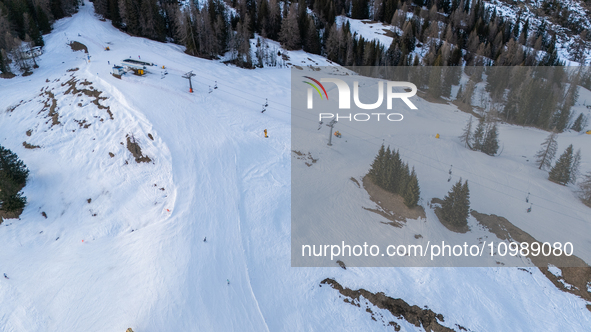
(7, 75)
(30, 146)
(574, 270)
(308, 159)
(390, 33)
(136, 150)
(83, 123)
(11, 109)
(50, 105)
(10, 215)
(419, 317)
(77, 46)
(391, 205)
(90, 92)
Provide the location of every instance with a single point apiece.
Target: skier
(5, 276)
(109, 62)
(529, 208)
(228, 280)
(205, 239)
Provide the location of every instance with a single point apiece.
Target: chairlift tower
(331, 125)
(188, 76)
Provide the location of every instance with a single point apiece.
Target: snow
(370, 30)
(223, 180)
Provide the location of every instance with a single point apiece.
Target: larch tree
(289, 36)
(466, 136)
(545, 156)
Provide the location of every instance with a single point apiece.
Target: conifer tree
(546, 154)
(478, 138)
(388, 177)
(561, 172)
(312, 39)
(490, 145)
(289, 36)
(397, 168)
(377, 167)
(403, 178)
(456, 204)
(412, 191)
(579, 123)
(574, 169)
(13, 176)
(586, 189)
(467, 134)
(2, 65)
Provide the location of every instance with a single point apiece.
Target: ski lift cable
(460, 169)
(414, 152)
(490, 188)
(478, 183)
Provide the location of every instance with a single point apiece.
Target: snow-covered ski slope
(134, 255)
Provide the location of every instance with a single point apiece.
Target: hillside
(123, 241)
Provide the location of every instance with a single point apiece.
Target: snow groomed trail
(141, 261)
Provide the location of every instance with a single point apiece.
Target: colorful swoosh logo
(315, 87)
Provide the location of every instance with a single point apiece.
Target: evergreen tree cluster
(390, 173)
(566, 169)
(456, 32)
(13, 176)
(485, 137)
(456, 204)
(27, 21)
(580, 123)
(537, 96)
